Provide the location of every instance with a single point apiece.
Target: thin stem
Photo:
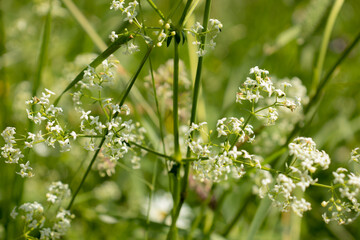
(176, 102)
(186, 9)
(86, 172)
(43, 51)
(157, 10)
(175, 171)
(196, 91)
(324, 44)
(152, 151)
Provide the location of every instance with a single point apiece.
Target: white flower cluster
(119, 133)
(57, 192)
(271, 138)
(304, 150)
(214, 27)
(282, 195)
(343, 207)
(298, 176)
(235, 126)
(31, 213)
(9, 150)
(355, 155)
(255, 89)
(13, 154)
(129, 11)
(217, 162)
(34, 216)
(53, 130)
(118, 130)
(96, 79)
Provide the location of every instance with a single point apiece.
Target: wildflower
(25, 170)
(355, 155)
(116, 5)
(131, 48)
(57, 192)
(113, 36)
(85, 115)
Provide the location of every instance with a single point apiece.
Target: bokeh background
(282, 36)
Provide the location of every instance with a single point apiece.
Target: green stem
(43, 51)
(186, 9)
(152, 4)
(324, 44)
(176, 102)
(86, 172)
(152, 151)
(195, 98)
(175, 171)
(126, 93)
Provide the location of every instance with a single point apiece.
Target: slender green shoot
(324, 44)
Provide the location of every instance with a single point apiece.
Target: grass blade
(84, 23)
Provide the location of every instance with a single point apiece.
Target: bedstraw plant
(260, 147)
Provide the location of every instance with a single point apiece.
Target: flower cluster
(57, 192)
(9, 150)
(165, 32)
(34, 216)
(297, 177)
(253, 90)
(355, 155)
(112, 124)
(95, 79)
(343, 207)
(39, 110)
(214, 27)
(129, 11)
(13, 154)
(216, 162)
(273, 137)
(235, 126)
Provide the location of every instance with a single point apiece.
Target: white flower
(85, 115)
(73, 134)
(113, 36)
(131, 48)
(116, 5)
(299, 207)
(25, 170)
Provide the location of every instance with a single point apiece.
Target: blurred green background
(282, 36)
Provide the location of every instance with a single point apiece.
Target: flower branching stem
(124, 96)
